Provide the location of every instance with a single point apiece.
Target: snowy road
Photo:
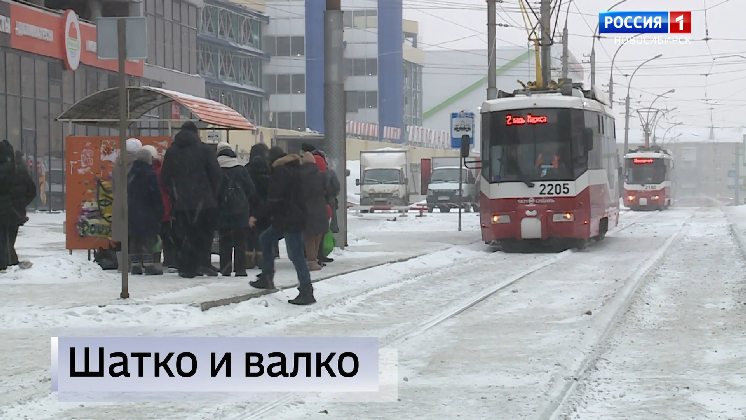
(680, 351)
(505, 357)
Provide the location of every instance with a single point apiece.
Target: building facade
(457, 80)
(45, 69)
(231, 57)
(383, 65)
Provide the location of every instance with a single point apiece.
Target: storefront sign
(63, 37)
(5, 25)
(72, 40)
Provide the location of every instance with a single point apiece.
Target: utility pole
(565, 53)
(546, 43)
(737, 185)
(492, 53)
(335, 107)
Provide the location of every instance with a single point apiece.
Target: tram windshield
(533, 145)
(645, 171)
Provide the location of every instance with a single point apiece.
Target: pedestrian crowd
(176, 205)
(17, 191)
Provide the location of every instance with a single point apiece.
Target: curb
(204, 306)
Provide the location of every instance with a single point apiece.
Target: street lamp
(611, 74)
(593, 48)
(626, 117)
(662, 94)
(663, 140)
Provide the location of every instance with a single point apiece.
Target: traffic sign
(731, 174)
(462, 124)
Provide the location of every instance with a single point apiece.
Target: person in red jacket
(166, 232)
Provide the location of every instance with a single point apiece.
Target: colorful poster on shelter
(89, 197)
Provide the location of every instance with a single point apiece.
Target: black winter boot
(264, 282)
(305, 297)
(152, 270)
(136, 264)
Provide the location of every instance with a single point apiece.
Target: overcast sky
(461, 24)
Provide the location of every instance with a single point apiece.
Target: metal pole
(122, 181)
(738, 174)
(626, 125)
(546, 41)
(611, 75)
(335, 108)
(460, 190)
(565, 53)
(593, 51)
(492, 53)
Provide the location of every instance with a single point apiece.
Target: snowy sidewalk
(61, 280)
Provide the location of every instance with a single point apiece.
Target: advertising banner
(90, 198)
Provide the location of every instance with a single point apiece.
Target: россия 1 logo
(645, 22)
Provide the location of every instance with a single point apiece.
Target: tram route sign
(462, 124)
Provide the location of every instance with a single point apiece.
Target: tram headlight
(631, 198)
(563, 217)
(500, 218)
(655, 197)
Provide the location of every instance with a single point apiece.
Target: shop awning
(102, 108)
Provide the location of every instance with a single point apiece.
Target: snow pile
(353, 191)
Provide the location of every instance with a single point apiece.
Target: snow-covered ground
(506, 357)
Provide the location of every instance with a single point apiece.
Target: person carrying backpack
(235, 192)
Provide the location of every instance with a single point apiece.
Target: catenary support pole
(460, 188)
(546, 43)
(122, 181)
(335, 108)
(492, 52)
(565, 53)
(737, 187)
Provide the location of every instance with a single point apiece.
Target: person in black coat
(24, 193)
(144, 210)
(288, 217)
(235, 194)
(259, 172)
(192, 176)
(7, 222)
(317, 216)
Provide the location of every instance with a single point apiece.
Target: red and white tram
(550, 168)
(649, 179)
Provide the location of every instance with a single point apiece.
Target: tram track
(689, 295)
(586, 354)
(450, 312)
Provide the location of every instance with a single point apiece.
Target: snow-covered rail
(449, 312)
(584, 355)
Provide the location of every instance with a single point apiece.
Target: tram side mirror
(347, 173)
(357, 182)
(588, 138)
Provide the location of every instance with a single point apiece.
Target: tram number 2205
(554, 189)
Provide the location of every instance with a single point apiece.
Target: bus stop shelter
(101, 109)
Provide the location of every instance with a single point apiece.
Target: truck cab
(383, 187)
(383, 178)
(443, 189)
